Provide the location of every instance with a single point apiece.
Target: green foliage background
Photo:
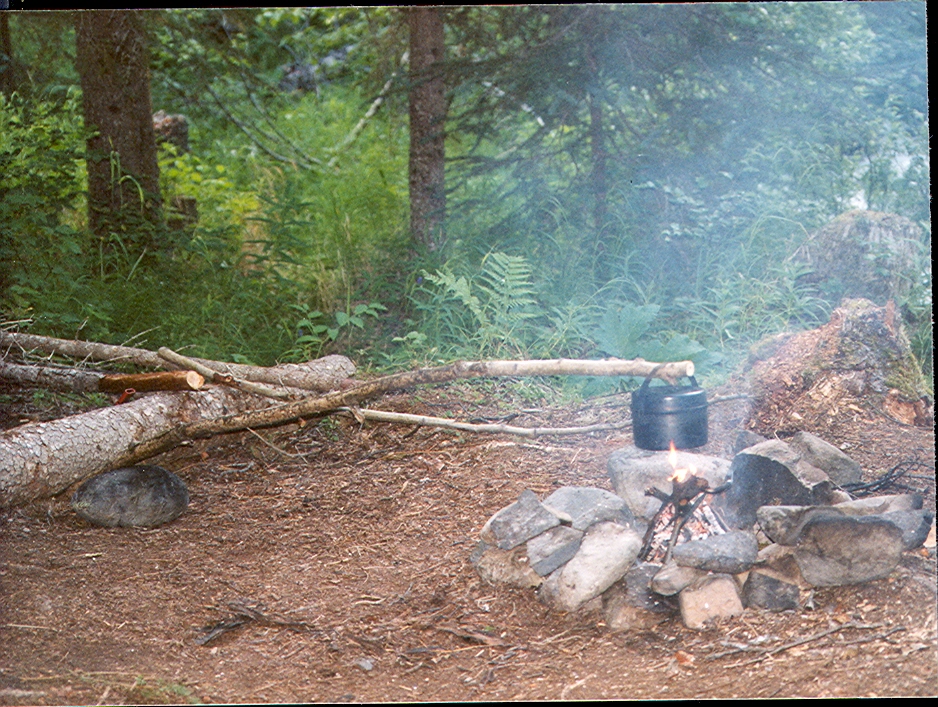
(624, 180)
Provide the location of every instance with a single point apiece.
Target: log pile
(195, 399)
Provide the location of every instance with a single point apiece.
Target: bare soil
(329, 562)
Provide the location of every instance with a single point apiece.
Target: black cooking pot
(663, 414)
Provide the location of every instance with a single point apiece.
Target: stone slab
(875, 505)
(713, 597)
(729, 553)
(783, 524)
(632, 470)
(497, 566)
(826, 457)
(587, 505)
(630, 604)
(838, 550)
(770, 473)
(763, 591)
(606, 553)
(553, 548)
(672, 578)
(515, 524)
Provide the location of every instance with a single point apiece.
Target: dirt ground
(330, 563)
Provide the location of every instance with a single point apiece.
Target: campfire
(685, 508)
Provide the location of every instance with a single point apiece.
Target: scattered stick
(245, 614)
(768, 653)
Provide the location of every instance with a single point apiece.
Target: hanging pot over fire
(663, 414)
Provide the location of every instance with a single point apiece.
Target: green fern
(497, 307)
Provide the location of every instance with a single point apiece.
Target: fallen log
(58, 378)
(320, 375)
(42, 459)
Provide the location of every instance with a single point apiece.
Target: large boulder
(770, 473)
(632, 471)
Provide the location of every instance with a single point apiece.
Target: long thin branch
(769, 652)
(224, 378)
(427, 421)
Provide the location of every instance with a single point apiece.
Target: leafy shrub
(41, 199)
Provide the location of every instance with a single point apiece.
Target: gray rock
(673, 577)
(553, 548)
(770, 473)
(826, 457)
(629, 604)
(778, 561)
(633, 470)
(519, 522)
(746, 439)
(875, 505)
(586, 506)
(606, 553)
(915, 526)
(837, 550)
(730, 553)
(714, 596)
(763, 591)
(783, 524)
(132, 496)
(364, 664)
(511, 567)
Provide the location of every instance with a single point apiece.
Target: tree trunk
(427, 122)
(599, 189)
(112, 59)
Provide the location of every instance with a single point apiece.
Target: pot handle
(693, 382)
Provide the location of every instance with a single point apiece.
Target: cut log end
(148, 382)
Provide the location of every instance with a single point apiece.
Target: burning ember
(685, 508)
(680, 475)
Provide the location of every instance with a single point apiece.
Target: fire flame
(680, 474)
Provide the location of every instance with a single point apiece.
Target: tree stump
(859, 361)
(867, 254)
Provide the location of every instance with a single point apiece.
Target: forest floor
(330, 563)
